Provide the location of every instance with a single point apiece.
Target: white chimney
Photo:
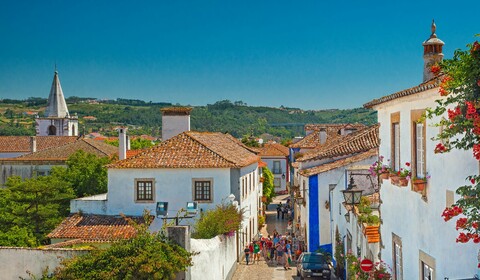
(128, 143)
(175, 120)
(122, 143)
(323, 136)
(33, 144)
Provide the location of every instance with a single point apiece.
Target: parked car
(313, 266)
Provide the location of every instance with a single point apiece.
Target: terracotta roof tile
(63, 152)
(193, 150)
(95, 227)
(339, 163)
(273, 149)
(12, 144)
(353, 143)
(433, 83)
(312, 140)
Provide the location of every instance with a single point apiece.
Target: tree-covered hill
(17, 117)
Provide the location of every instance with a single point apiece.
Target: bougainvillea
(460, 89)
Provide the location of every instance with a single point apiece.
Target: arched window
(52, 130)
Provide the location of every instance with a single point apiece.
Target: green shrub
(261, 221)
(223, 219)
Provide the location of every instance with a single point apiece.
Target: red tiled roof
(95, 227)
(193, 150)
(432, 83)
(273, 149)
(131, 153)
(339, 163)
(63, 152)
(16, 144)
(353, 143)
(312, 140)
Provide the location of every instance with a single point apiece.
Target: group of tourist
(285, 210)
(276, 250)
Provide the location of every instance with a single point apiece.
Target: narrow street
(264, 270)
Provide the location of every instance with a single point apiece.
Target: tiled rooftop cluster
(356, 142)
(193, 150)
(333, 133)
(95, 228)
(19, 144)
(273, 149)
(63, 152)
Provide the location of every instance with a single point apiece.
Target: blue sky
(306, 54)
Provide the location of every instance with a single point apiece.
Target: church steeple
(432, 53)
(56, 106)
(57, 121)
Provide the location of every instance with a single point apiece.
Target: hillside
(17, 117)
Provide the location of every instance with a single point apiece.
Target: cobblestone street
(262, 270)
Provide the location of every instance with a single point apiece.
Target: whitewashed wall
(16, 261)
(217, 258)
(283, 165)
(418, 222)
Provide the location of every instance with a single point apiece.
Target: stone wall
(216, 258)
(18, 262)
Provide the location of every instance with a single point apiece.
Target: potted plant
(420, 183)
(404, 175)
(379, 169)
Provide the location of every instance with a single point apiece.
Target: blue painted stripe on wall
(313, 219)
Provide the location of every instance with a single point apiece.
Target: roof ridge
(95, 147)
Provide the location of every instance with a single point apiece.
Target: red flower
(476, 151)
(452, 114)
(471, 110)
(435, 69)
(440, 148)
(475, 225)
(461, 223)
(472, 181)
(478, 83)
(463, 238)
(475, 47)
(442, 91)
(407, 163)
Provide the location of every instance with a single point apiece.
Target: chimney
(432, 53)
(122, 143)
(175, 120)
(128, 143)
(33, 144)
(323, 136)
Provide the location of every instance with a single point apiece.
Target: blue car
(313, 266)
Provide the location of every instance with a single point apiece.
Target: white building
(320, 172)
(416, 241)
(276, 157)
(202, 167)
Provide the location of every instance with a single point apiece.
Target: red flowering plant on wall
(405, 172)
(460, 102)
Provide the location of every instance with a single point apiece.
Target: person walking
(247, 253)
(279, 210)
(288, 254)
(256, 252)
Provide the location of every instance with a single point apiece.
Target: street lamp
(352, 194)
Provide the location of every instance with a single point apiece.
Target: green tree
(146, 256)
(268, 187)
(35, 206)
(135, 144)
(85, 172)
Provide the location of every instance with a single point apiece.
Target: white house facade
(417, 243)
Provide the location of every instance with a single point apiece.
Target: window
(277, 169)
(52, 130)
(418, 144)
(397, 257)
(427, 272)
(395, 133)
(202, 190)
(427, 266)
(144, 190)
(277, 182)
